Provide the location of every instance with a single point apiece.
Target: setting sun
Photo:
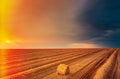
(4, 35)
(5, 6)
(8, 41)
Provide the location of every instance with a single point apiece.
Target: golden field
(88, 63)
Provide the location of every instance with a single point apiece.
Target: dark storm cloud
(103, 20)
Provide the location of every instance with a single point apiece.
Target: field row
(42, 64)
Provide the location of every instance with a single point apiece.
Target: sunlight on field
(38, 63)
(4, 35)
(3, 70)
(104, 69)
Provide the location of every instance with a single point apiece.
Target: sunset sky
(59, 23)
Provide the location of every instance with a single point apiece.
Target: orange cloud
(83, 45)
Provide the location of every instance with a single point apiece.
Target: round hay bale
(63, 69)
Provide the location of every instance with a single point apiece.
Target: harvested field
(94, 63)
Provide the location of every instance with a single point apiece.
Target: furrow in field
(31, 64)
(77, 67)
(36, 55)
(50, 70)
(32, 70)
(38, 62)
(104, 71)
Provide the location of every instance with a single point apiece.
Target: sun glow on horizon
(8, 41)
(4, 35)
(4, 10)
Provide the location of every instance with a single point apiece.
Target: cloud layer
(64, 23)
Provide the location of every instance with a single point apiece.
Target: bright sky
(40, 24)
